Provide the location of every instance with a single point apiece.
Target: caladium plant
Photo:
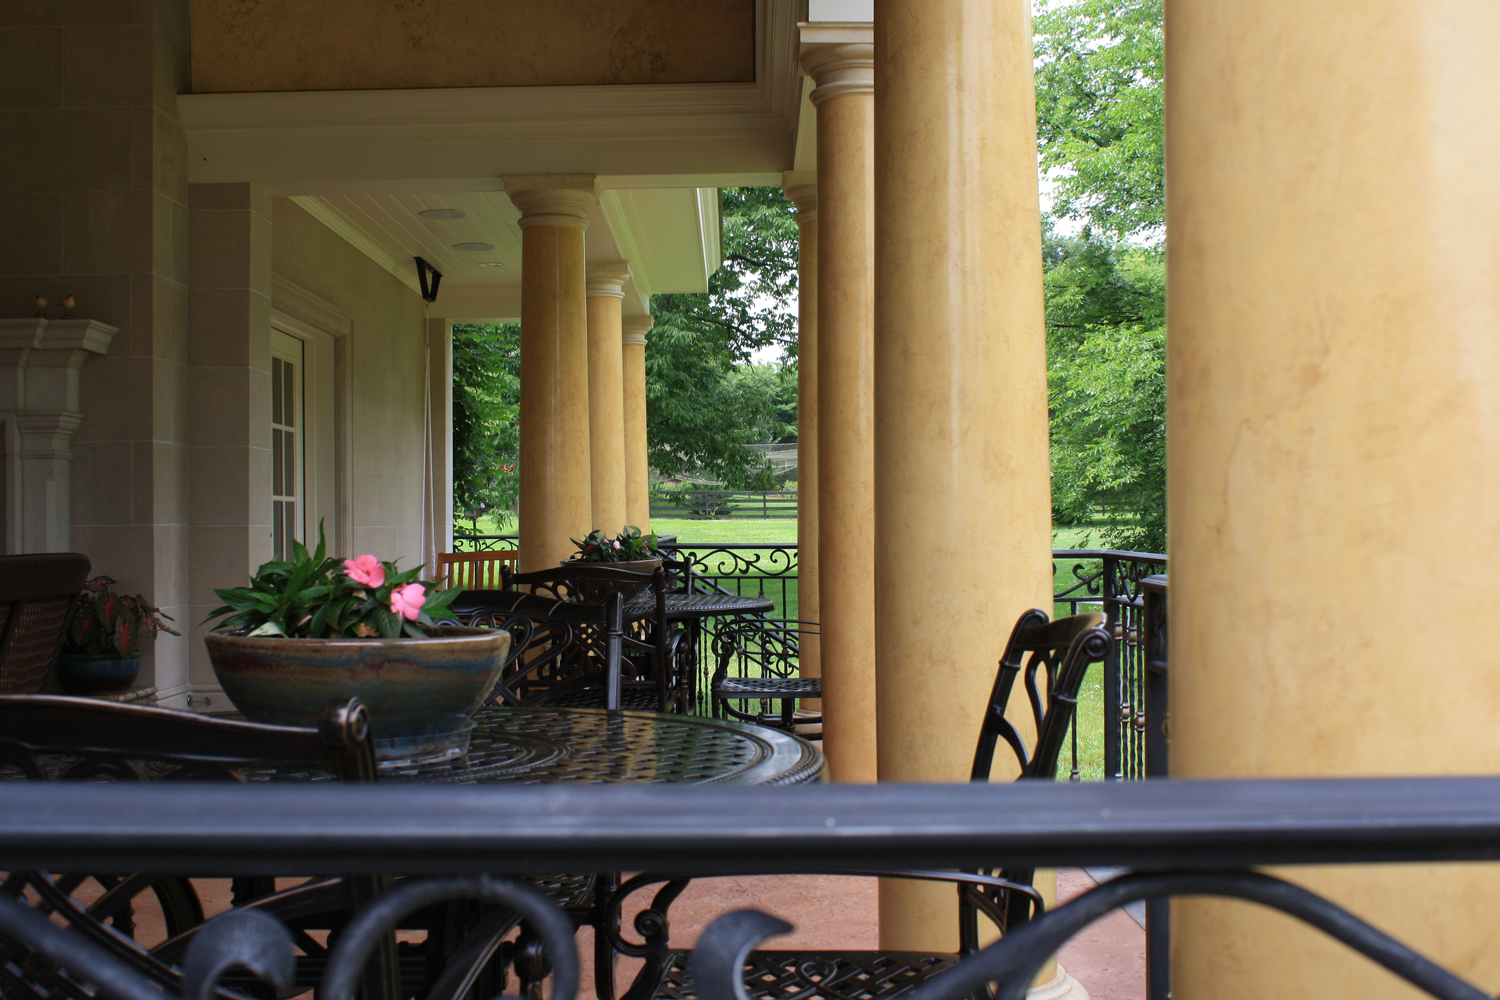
(109, 623)
(317, 596)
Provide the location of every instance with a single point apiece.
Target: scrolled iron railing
(1201, 838)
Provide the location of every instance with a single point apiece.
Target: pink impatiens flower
(407, 601)
(366, 570)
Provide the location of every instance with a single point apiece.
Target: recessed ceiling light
(492, 263)
(475, 247)
(442, 213)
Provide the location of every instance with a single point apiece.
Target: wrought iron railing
(1109, 580)
(1202, 838)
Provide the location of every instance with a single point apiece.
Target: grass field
(783, 531)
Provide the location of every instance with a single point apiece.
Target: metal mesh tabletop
(685, 606)
(532, 746)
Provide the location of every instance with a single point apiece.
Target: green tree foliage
(1100, 67)
(1100, 137)
(702, 410)
(486, 419)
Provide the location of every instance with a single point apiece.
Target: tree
(700, 414)
(1100, 139)
(486, 419)
(1100, 68)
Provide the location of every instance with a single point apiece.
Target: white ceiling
(669, 235)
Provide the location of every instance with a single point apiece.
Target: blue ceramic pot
(81, 674)
(410, 686)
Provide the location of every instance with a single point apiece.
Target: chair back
(102, 740)
(38, 594)
(475, 570)
(1058, 653)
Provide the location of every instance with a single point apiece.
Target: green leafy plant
(106, 622)
(315, 596)
(628, 546)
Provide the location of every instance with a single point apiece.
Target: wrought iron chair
(757, 662)
(597, 640)
(1050, 659)
(57, 738)
(37, 596)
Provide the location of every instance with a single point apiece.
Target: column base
(1060, 987)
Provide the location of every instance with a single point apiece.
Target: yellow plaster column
(637, 472)
(840, 61)
(963, 505)
(556, 500)
(803, 192)
(606, 293)
(1333, 417)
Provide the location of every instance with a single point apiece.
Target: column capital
(633, 328)
(553, 199)
(606, 278)
(840, 57)
(801, 187)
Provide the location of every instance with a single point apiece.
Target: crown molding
(287, 139)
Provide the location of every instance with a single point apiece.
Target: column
(803, 191)
(440, 410)
(963, 507)
(556, 497)
(1333, 420)
(637, 470)
(840, 60)
(40, 400)
(606, 294)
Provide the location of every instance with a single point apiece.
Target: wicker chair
(37, 596)
(1063, 650)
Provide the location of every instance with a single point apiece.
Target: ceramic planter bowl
(410, 686)
(79, 673)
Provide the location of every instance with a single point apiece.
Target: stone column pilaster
(39, 399)
(556, 498)
(1331, 398)
(840, 59)
(803, 192)
(963, 507)
(606, 294)
(637, 470)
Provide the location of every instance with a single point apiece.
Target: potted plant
(318, 627)
(628, 550)
(101, 653)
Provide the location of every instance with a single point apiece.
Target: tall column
(963, 506)
(803, 192)
(1332, 364)
(606, 294)
(556, 497)
(840, 60)
(637, 471)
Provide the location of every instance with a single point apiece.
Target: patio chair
(605, 641)
(757, 663)
(1060, 650)
(37, 596)
(57, 738)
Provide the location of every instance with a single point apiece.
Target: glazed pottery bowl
(410, 686)
(80, 674)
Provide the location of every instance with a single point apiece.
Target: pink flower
(366, 570)
(617, 545)
(407, 601)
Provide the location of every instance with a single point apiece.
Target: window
(287, 433)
